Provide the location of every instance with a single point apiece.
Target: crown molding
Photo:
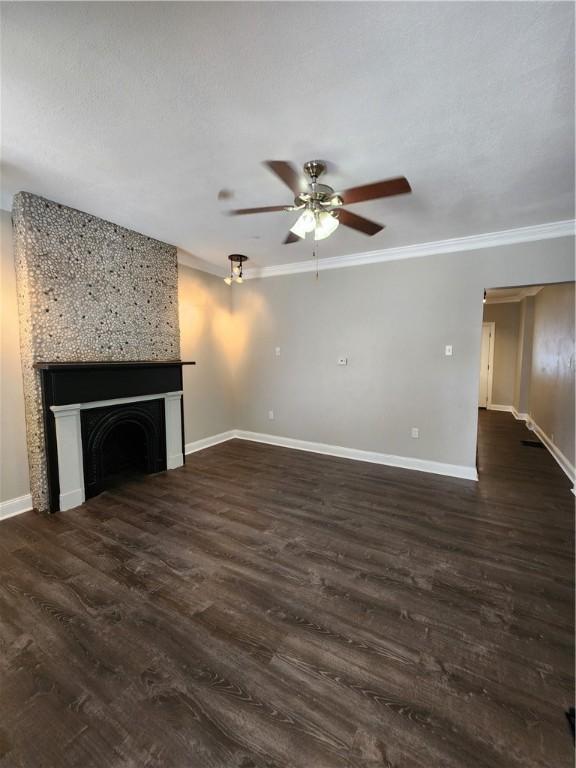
(513, 298)
(188, 260)
(470, 243)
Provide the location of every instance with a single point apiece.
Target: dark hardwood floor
(263, 607)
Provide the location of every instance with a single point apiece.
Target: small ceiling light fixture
(236, 262)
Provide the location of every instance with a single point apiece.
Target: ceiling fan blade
(265, 209)
(387, 188)
(291, 238)
(359, 222)
(286, 173)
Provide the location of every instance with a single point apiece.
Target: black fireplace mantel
(68, 383)
(80, 382)
(111, 364)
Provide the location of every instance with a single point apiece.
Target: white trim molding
(520, 416)
(505, 296)
(388, 459)
(568, 469)
(173, 427)
(548, 231)
(15, 506)
(510, 409)
(491, 346)
(496, 407)
(403, 462)
(208, 442)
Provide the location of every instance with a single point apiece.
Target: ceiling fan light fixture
(304, 224)
(312, 198)
(326, 224)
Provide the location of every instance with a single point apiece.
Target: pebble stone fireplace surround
(93, 297)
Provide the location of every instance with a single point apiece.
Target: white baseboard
(174, 461)
(568, 469)
(72, 499)
(15, 506)
(510, 409)
(404, 462)
(207, 442)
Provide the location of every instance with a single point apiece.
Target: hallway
(508, 470)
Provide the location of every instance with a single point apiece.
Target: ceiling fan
(321, 208)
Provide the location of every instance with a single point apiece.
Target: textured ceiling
(142, 113)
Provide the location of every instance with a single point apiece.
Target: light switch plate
(277, 351)
(415, 433)
(271, 415)
(448, 350)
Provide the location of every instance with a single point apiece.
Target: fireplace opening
(124, 453)
(122, 441)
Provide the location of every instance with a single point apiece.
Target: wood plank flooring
(269, 608)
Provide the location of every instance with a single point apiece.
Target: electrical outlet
(448, 350)
(342, 361)
(277, 351)
(415, 433)
(271, 415)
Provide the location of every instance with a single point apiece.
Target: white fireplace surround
(69, 441)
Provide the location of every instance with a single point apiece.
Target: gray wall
(507, 327)
(207, 335)
(392, 321)
(552, 390)
(14, 480)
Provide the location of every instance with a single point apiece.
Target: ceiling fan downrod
(314, 169)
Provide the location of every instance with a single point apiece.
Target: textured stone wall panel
(87, 290)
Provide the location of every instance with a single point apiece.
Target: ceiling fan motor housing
(318, 193)
(314, 169)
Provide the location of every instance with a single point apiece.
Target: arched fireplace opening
(124, 452)
(120, 441)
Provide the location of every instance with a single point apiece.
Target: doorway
(527, 369)
(486, 364)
